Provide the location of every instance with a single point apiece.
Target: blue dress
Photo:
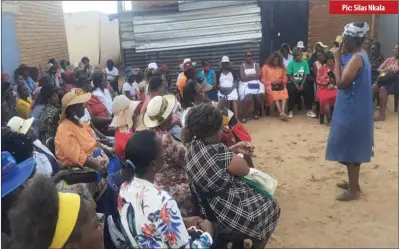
(351, 137)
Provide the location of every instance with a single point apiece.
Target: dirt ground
(294, 153)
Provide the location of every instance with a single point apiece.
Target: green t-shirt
(298, 70)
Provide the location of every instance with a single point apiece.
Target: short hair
(202, 121)
(247, 51)
(377, 44)
(97, 77)
(52, 61)
(46, 91)
(270, 59)
(19, 145)
(37, 210)
(189, 92)
(141, 150)
(155, 83)
(296, 52)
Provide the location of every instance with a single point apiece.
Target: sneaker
(311, 114)
(291, 114)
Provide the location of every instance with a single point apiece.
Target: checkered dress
(235, 205)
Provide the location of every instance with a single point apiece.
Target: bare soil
(293, 153)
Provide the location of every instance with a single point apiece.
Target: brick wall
(325, 27)
(41, 32)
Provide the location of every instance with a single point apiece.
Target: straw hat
(75, 96)
(123, 110)
(20, 125)
(158, 110)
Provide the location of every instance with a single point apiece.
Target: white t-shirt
(86, 118)
(287, 61)
(105, 98)
(111, 75)
(129, 88)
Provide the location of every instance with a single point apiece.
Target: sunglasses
(249, 55)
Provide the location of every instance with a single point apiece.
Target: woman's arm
(214, 80)
(349, 73)
(244, 77)
(258, 72)
(238, 166)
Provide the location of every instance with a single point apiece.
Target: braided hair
(202, 121)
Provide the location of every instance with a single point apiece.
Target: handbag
(226, 90)
(261, 180)
(386, 78)
(277, 87)
(254, 86)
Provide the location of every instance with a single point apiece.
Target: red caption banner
(364, 7)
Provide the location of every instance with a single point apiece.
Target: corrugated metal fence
(173, 58)
(198, 30)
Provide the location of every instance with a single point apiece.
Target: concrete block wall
(325, 27)
(41, 35)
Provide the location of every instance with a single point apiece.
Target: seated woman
(24, 101)
(209, 76)
(150, 216)
(274, 77)
(124, 115)
(226, 82)
(50, 115)
(387, 82)
(75, 143)
(326, 90)
(99, 112)
(172, 175)
(60, 220)
(376, 59)
(215, 170)
(251, 91)
(233, 129)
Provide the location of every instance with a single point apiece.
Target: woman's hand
(331, 86)
(337, 53)
(206, 226)
(245, 148)
(192, 221)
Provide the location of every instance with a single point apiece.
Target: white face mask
(76, 117)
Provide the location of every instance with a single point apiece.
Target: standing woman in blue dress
(351, 137)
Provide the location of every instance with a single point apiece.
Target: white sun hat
(123, 110)
(153, 65)
(187, 60)
(158, 110)
(20, 125)
(300, 44)
(225, 59)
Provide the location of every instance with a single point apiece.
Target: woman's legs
(383, 97)
(235, 107)
(283, 104)
(307, 92)
(327, 112)
(293, 95)
(247, 107)
(278, 106)
(353, 187)
(259, 105)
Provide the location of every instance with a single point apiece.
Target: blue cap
(14, 175)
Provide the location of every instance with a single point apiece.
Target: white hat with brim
(153, 66)
(75, 96)
(185, 60)
(158, 110)
(20, 125)
(300, 44)
(123, 109)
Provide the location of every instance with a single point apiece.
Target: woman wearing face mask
(75, 143)
(351, 138)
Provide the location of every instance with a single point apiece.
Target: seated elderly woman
(60, 220)
(172, 175)
(150, 216)
(75, 143)
(387, 82)
(215, 173)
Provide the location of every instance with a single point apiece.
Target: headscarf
(355, 29)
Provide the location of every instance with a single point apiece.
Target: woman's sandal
(283, 117)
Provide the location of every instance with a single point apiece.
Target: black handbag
(387, 78)
(277, 87)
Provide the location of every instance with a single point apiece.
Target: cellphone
(81, 177)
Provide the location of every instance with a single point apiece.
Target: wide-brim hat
(300, 44)
(20, 125)
(14, 175)
(75, 96)
(158, 110)
(186, 60)
(123, 110)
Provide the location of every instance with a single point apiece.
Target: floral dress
(151, 219)
(172, 177)
(49, 119)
